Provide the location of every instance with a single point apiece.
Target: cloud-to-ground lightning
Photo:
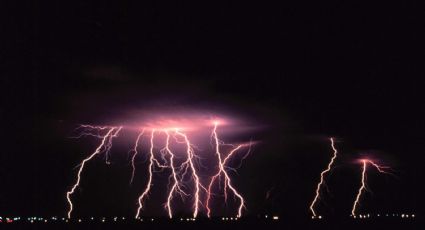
(150, 174)
(104, 146)
(222, 171)
(363, 186)
(175, 188)
(190, 163)
(175, 177)
(179, 172)
(322, 179)
(170, 150)
(135, 152)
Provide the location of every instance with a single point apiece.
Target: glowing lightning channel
(175, 179)
(190, 155)
(149, 184)
(167, 160)
(175, 187)
(135, 152)
(322, 175)
(362, 188)
(105, 144)
(222, 171)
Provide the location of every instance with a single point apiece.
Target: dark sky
(306, 71)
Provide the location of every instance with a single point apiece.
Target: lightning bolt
(363, 186)
(175, 187)
(152, 161)
(322, 175)
(104, 146)
(189, 163)
(135, 152)
(183, 174)
(222, 171)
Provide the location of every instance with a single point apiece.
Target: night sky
(301, 71)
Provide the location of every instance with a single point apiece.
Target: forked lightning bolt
(104, 146)
(222, 171)
(135, 152)
(177, 172)
(322, 179)
(190, 163)
(175, 187)
(184, 175)
(152, 161)
(363, 186)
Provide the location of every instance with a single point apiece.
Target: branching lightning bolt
(183, 174)
(363, 186)
(104, 146)
(222, 171)
(135, 152)
(189, 162)
(175, 187)
(150, 171)
(322, 179)
(177, 173)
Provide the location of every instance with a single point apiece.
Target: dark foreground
(245, 224)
